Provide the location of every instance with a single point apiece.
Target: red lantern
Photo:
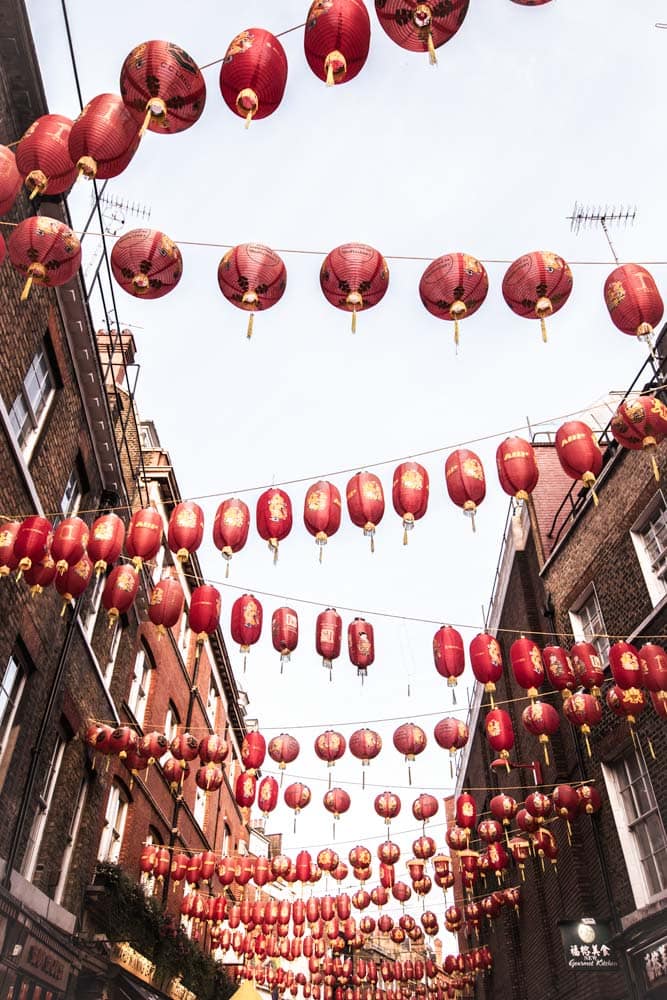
(490, 831)
(144, 536)
(653, 667)
(184, 747)
(274, 518)
(466, 811)
(583, 710)
(542, 720)
(337, 39)
(297, 796)
(213, 749)
(284, 633)
(499, 732)
(518, 471)
(421, 26)
(327, 860)
(454, 286)
(579, 453)
(626, 703)
(336, 801)
(267, 794)
(322, 511)
(174, 772)
(230, 528)
(253, 751)
(166, 605)
(365, 503)
(624, 664)
(245, 789)
(424, 807)
(589, 799)
(46, 251)
(104, 138)
(119, 592)
(424, 848)
(9, 560)
(448, 654)
(253, 74)
(641, 424)
(365, 745)
(538, 805)
(252, 277)
(162, 87)
(464, 478)
(246, 622)
(69, 542)
(486, 660)
(146, 263)
(72, 583)
(527, 665)
(41, 574)
(360, 644)
(354, 277)
(98, 737)
(410, 740)
(559, 669)
(633, 300)
(152, 746)
(659, 700)
(588, 667)
(122, 740)
(537, 285)
(43, 158)
(283, 750)
(330, 746)
(566, 803)
(186, 529)
(210, 777)
(204, 616)
(388, 806)
(410, 494)
(451, 734)
(328, 634)
(10, 180)
(105, 541)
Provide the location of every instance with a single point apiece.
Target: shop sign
(43, 963)
(586, 944)
(654, 963)
(133, 961)
(177, 991)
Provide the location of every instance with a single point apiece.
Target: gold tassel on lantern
(251, 319)
(26, 288)
(354, 321)
(432, 58)
(543, 308)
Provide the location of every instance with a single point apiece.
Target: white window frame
(184, 632)
(655, 576)
(115, 816)
(137, 699)
(629, 842)
(114, 646)
(43, 807)
(581, 632)
(156, 574)
(171, 722)
(33, 408)
(12, 698)
(212, 702)
(72, 834)
(94, 606)
(73, 494)
(199, 811)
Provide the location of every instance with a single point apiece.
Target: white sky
(528, 110)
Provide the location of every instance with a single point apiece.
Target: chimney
(116, 351)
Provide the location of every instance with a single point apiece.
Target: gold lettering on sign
(124, 954)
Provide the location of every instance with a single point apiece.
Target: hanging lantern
(583, 710)
(253, 751)
(520, 848)
(245, 790)
(579, 453)
(209, 777)
(590, 800)
(641, 425)
(274, 518)
(327, 859)
(152, 747)
(46, 251)
(588, 667)
(162, 87)
(560, 670)
(365, 503)
(284, 633)
(410, 740)
(633, 300)
(451, 734)
(10, 180)
(230, 528)
(626, 703)
(297, 796)
(337, 39)
(421, 26)
(566, 804)
(653, 667)
(186, 529)
(104, 138)
(166, 605)
(213, 749)
(252, 277)
(659, 701)
(624, 665)
(360, 857)
(518, 471)
(267, 795)
(490, 831)
(526, 821)
(283, 749)
(546, 846)
(69, 542)
(466, 812)
(98, 737)
(365, 745)
(174, 773)
(538, 805)
(504, 808)
(361, 646)
(9, 560)
(330, 747)
(486, 660)
(454, 286)
(410, 494)
(41, 574)
(322, 511)
(253, 74)
(105, 541)
(246, 622)
(32, 542)
(424, 807)
(499, 732)
(204, 615)
(146, 263)
(43, 157)
(387, 805)
(464, 478)
(448, 654)
(184, 748)
(336, 801)
(144, 536)
(328, 636)
(542, 720)
(354, 277)
(527, 666)
(424, 848)
(537, 285)
(119, 592)
(74, 581)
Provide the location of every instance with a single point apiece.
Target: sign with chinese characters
(132, 961)
(586, 945)
(654, 963)
(43, 963)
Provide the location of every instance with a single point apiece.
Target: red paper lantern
(424, 807)
(146, 263)
(252, 277)
(186, 529)
(518, 471)
(504, 808)
(424, 848)
(527, 666)
(204, 616)
(624, 664)
(98, 737)
(365, 503)
(122, 740)
(105, 541)
(559, 669)
(466, 811)
(46, 251)
(9, 560)
(330, 746)
(336, 801)
(641, 424)
(633, 300)
(267, 794)
(542, 720)
(119, 592)
(566, 802)
(659, 701)
(209, 777)
(538, 805)
(166, 605)
(297, 796)
(253, 74)
(327, 859)
(41, 574)
(104, 138)
(583, 710)
(486, 660)
(283, 749)
(451, 734)
(253, 751)
(421, 26)
(410, 740)
(245, 789)
(152, 746)
(10, 180)
(284, 633)
(490, 830)
(361, 645)
(454, 286)
(590, 800)
(354, 277)
(184, 748)
(69, 542)
(144, 536)
(74, 581)
(322, 511)
(328, 636)
(246, 621)
(499, 732)
(626, 703)
(588, 667)
(162, 87)
(448, 653)
(230, 528)
(174, 772)
(537, 285)
(464, 478)
(274, 518)
(410, 494)
(365, 745)
(43, 157)
(387, 805)
(337, 39)
(579, 453)
(653, 667)
(213, 749)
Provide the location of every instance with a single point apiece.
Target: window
(171, 722)
(141, 681)
(11, 689)
(649, 537)
(71, 500)
(212, 704)
(156, 574)
(114, 646)
(200, 806)
(184, 633)
(148, 879)
(90, 614)
(639, 824)
(72, 834)
(30, 407)
(588, 624)
(114, 823)
(43, 806)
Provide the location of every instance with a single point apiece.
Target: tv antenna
(115, 212)
(590, 216)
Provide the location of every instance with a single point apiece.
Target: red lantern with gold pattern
(213, 749)
(566, 804)
(328, 636)
(105, 541)
(527, 666)
(542, 720)
(246, 621)
(590, 800)
(327, 859)
(579, 453)
(9, 560)
(361, 645)
(284, 633)
(464, 478)
(626, 703)
(119, 592)
(537, 285)
(466, 811)
(283, 749)
(297, 796)
(653, 667)
(69, 542)
(490, 831)
(146, 263)
(336, 801)
(583, 710)
(330, 746)
(204, 615)
(424, 848)
(518, 471)
(162, 87)
(499, 732)
(322, 511)
(451, 734)
(454, 286)
(337, 39)
(641, 424)
(43, 157)
(624, 665)
(166, 605)
(559, 669)
(253, 74)
(209, 777)
(245, 789)
(186, 529)
(448, 654)
(274, 518)
(588, 667)
(253, 278)
(46, 251)
(421, 26)
(10, 180)
(410, 740)
(230, 528)
(365, 745)
(144, 536)
(486, 660)
(387, 805)
(174, 773)
(424, 807)
(538, 805)
(633, 300)
(354, 277)
(365, 503)
(267, 794)
(74, 581)
(253, 751)
(104, 138)
(659, 701)
(410, 494)
(41, 574)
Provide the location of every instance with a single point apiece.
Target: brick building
(569, 571)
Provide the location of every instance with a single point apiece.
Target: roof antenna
(589, 216)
